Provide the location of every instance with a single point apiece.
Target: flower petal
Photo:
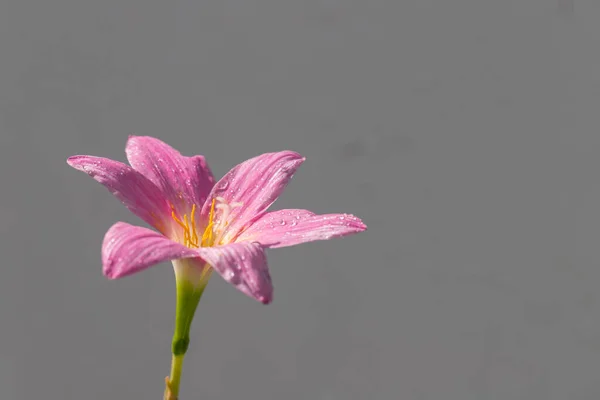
(128, 249)
(255, 184)
(136, 192)
(290, 227)
(183, 180)
(244, 265)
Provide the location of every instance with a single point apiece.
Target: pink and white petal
(134, 190)
(128, 249)
(290, 227)
(244, 265)
(183, 180)
(255, 184)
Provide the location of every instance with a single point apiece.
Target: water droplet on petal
(294, 223)
(282, 222)
(231, 276)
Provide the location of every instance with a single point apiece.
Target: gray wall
(465, 133)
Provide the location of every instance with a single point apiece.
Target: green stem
(173, 383)
(188, 297)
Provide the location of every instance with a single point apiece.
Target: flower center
(213, 233)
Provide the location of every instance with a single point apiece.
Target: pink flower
(202, 225)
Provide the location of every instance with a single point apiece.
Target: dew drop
(282, 222)
(230, 275)
(294, 223)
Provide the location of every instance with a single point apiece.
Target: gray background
(464, 133)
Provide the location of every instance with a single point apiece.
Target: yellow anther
(193, 218)
(214, 229)
(186, 231)
(190, 236)
(177, 219)
(207, 236)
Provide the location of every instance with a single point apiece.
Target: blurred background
(464, 132)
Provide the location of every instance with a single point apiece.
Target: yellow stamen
(193, 218)
(207, 236)
(177, 219)
(213, 231)
(190, 236)
(186, 232)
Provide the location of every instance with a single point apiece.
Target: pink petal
(128, 249)
(138, 194)
(244, 265)
(256, 184)
(290, 227)
(183, 180)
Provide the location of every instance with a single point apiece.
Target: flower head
(203, 225)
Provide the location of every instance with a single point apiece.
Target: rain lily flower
(202, 225)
